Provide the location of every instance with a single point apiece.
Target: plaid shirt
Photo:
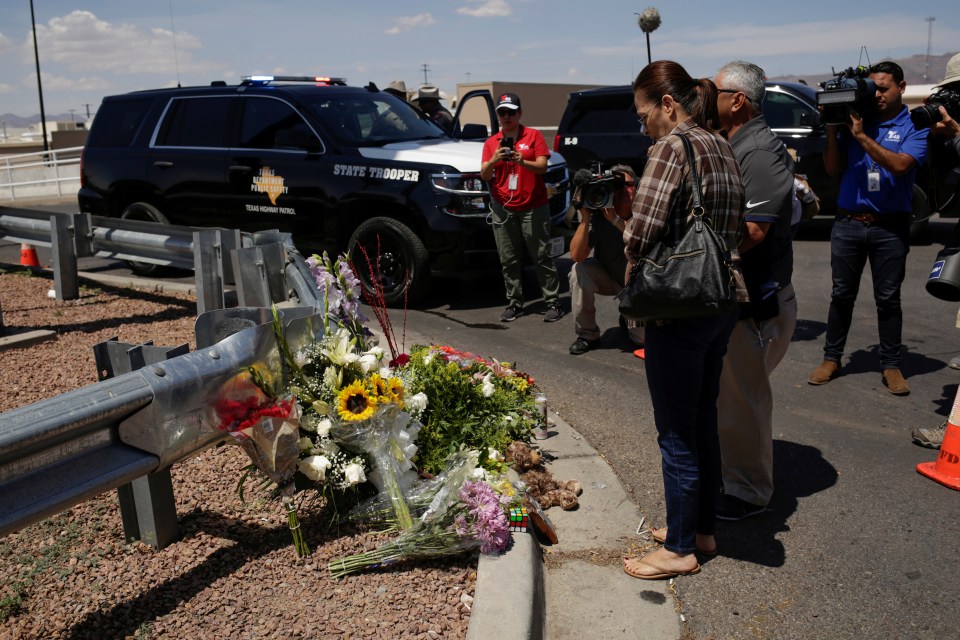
(666, 188)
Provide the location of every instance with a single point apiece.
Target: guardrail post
(148, 508)
(208, 267)
(82, 234)
(64, 258)
(259, 273)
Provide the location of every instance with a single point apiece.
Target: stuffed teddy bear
(541, 484)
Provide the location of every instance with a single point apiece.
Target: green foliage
(13, 603)
(458, 412)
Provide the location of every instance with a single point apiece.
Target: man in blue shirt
(877, 157)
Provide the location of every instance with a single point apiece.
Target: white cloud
(406, 23)
(82, 42)
(5, 43)
(487, 9)
(5, 88)
(52, 82)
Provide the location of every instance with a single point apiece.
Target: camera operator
(878, 160)
(600, 231)
(949, 130)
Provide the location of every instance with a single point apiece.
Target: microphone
(581, 177)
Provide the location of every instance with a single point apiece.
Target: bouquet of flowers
(472, 518)
(268, 431)
(480, 403)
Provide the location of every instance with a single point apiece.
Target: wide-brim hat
(428, 92)
(399, 86)
(953, 71)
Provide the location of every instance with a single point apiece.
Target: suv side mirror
(811, 120)
(473, 131)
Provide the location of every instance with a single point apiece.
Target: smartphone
(507, 142)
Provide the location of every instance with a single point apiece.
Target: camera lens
(926, 115)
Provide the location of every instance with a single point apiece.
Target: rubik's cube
(519, 521)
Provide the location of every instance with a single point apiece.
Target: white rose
(353, 474)
(427, 359)
(418, 402)
(385, 372)
(368, 362)
(323, 427)
(315, 467)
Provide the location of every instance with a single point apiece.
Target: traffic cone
(28, 256)
(946, 468)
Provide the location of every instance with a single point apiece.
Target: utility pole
(926, 73)
(72, 117)
(86, 105)
(425, 68)
(36, 58)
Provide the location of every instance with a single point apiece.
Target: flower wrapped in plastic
(461, 466)
(387, 436)
(471, 518)
(268, 431)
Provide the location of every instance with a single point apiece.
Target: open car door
(476, 116)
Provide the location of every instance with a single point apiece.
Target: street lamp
(36, 58)
(648, 21)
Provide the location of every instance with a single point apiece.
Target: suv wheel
(400, 260)
(147, 213)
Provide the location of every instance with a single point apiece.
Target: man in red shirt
(513, 163)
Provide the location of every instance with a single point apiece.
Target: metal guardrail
(41, 173)
(125, 432)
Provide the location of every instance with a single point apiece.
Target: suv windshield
(371, 120)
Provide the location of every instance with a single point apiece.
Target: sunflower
(379, 386)
(395, 390)
(354, 402)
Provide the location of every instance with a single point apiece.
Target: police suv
(339, 167)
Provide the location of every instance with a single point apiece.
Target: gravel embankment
(234, 574)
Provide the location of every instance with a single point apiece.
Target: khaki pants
(745, 404)
(588, 279)
(513, 231)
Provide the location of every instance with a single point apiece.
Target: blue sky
(92, 48)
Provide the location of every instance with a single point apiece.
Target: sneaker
(582, 345)
(955, 363)
(554, 312)
(929, 438)
(511, 313)
(732, 509)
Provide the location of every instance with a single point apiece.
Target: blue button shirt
(896, 192)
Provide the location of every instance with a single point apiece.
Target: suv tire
(145, 212)
(400, 261)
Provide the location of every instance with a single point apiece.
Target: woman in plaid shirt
(683, 357)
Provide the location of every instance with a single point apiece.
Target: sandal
(660, 536)
(661, 574)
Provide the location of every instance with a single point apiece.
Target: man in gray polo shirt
(763, 333)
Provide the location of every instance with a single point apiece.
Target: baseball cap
(953, 71)
(509, 101)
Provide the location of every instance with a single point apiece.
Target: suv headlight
(469, 195)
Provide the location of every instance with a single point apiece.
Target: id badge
(873, 181)
(512, 182)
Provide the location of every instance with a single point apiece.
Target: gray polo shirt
(767, 171)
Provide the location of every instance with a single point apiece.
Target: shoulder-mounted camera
(848, 89)
(594, 188)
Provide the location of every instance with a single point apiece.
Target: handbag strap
(694, 176)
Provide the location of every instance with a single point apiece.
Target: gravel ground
(234, 573)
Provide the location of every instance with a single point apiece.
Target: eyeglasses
(643, 118)
(506, 112)
(735, 91)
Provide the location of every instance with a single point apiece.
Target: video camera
(927, 115)
(594, 188)
(849, 88)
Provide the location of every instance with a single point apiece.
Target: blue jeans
(886, 245)
(683, 363)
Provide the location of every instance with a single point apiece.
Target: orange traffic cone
(946, 469)
(28, 256)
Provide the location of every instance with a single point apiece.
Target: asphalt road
(857, 544)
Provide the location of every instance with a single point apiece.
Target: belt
(865, 218)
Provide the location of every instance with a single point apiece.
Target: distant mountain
(19, 122)
(914, 70)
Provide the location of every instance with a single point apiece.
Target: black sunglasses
(507, 112)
